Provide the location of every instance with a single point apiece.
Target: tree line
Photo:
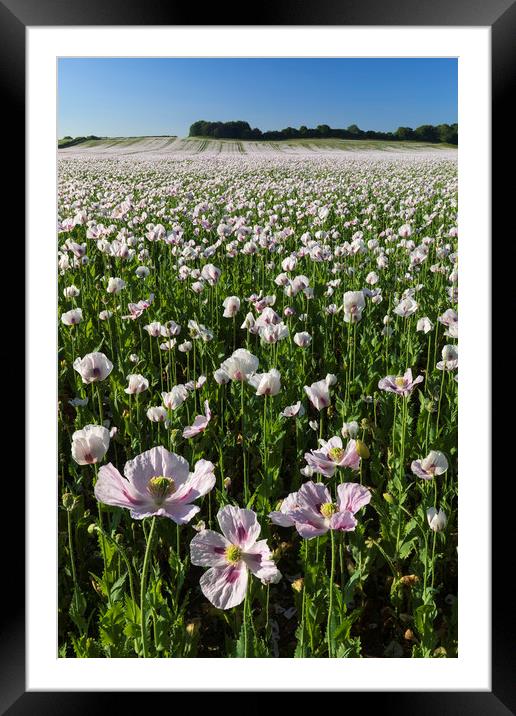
(447, 133)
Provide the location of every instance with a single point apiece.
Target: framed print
(248, 323)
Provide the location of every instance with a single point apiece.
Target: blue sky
(155, 96)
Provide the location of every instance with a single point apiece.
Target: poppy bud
(193, 627)
(227, 483)
(362, 449)
(388, 498)
(68, 501)
(409, 635)
(92, 529)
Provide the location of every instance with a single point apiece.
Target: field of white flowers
(257, 404)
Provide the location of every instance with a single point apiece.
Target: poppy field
(257, 405)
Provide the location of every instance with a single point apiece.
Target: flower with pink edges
(331, 455)
(319, 392)
(315, 513)
(435, 463)
(230, 557)
(157, 483)
(293, 411)
(93, 367)
(200, 423)
(400, 384)
(282, 516)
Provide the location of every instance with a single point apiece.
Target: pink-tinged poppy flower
(153, 329)
(176, 397)
(354, 304)
(93, 367)
(210, 274)
(424, 324)
(72, 318)
(230, 556)
(137, 384)
(293, 411)
(136, 309)
(90, 444)
(231, 306)
(316, 513)
(71, 291)
(435, 463)
(157, 414)
(450, 319)
(249, 324)
(170, 329)
(406, 307)
(450, 358)
(266, 383)
(350, 430)
(319, 393)
(400, 384)
(273, 333)
(302, 339)
(185, 347)
(200, 423)
(331, 455)
(197, 330)
(436, 520)
(268, 317)
(240, 365)
(289, 264)
(77, 249)
(115, 285)
(157, 483)
(282, 517)
(221, 377)
(196, 384)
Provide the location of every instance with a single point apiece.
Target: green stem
(146, 562)
(245, 620)
(70, 549)
(246, 486)
(330, 607)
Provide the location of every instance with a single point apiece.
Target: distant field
(209, 146)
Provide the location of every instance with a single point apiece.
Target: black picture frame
(500, 16)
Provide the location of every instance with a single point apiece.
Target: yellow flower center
(161, 487)
(328, 509)
(233, 554)
(400, 381)
(335, 454)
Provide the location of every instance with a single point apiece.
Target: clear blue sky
(134, 97)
